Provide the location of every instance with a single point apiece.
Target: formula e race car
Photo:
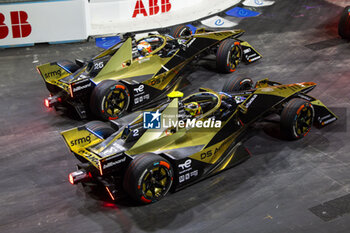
(188, 139)
(135, 74)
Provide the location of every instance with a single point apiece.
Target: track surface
(271, 192)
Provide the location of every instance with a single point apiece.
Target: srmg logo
(151, 120)
(82, 140)
(153, 7)
(19, 25)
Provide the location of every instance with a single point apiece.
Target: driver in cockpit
(144, 48)
(193, 109)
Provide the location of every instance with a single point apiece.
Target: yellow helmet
(193, 108)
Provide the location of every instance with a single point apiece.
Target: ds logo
(153, 7)
(19, 25)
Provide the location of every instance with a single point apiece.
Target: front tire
(228, 56)
(296, 119)
(237, 84)
(109, 100)
(344, 23)
(148, 178)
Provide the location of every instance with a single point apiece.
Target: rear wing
(53, 71)
(79, 139)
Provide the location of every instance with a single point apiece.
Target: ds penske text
(135, 74)
(146, 163)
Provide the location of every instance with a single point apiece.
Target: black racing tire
(296, 119)
(344, 23)
(69, 65)
(228, 56)
(100, 128)
(180, 31)
(236, 84)
(109, 100)
(148, 178)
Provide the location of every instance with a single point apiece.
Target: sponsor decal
(81, 87)
(242, 12)
(153, 8)
(329, 121)
(185, 165)
(19, 25)
(110, 164)
(251, 100)
(113, 149)
(79, 141)
(90, 157)
(140, 99)
(151, 120)
(188, 176)
(53, 74)
(139, 89)
(219, 22)
(247, 50)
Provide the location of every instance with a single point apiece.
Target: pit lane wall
(54, 21)
(108, 16)
(60, 21)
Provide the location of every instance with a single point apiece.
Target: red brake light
(70, 178)
(47, 103)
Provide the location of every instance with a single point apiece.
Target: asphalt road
(271, 192)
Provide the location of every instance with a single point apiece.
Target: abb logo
(19, 25)
(153, 6)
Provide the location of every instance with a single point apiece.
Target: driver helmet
(193, 108)
(144, 47)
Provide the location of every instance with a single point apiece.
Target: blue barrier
(241, 12)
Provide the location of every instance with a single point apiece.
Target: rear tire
(69, 65)
(228, 56)
(180, 31)
(296, 119)
(109, 100)
(237, 84)
(100, 128)
(148, 178)
(344, 23)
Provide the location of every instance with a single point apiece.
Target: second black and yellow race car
(135, 74)
(188, 139)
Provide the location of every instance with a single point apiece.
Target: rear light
(47, 103)
(70, 178)
(52, 100)
(79, 176)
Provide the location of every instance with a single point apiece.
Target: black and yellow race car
(135, 74)
(188, 139)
